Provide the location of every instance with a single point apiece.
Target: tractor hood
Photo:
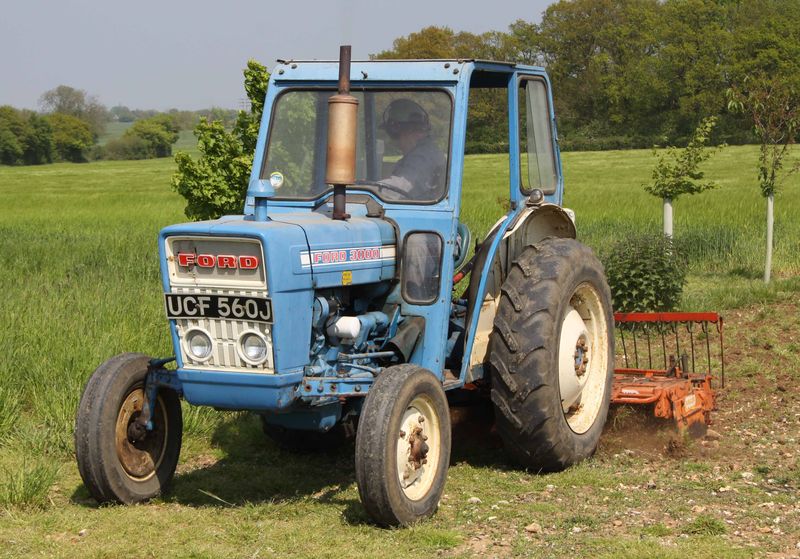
(359, 250)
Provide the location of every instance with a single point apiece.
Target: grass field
(80, 283)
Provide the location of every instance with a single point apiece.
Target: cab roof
(365, 71)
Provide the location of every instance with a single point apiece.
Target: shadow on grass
(255, 470)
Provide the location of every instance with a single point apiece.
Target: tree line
(634, 73)
(71, 123)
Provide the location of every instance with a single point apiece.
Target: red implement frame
(678, 391)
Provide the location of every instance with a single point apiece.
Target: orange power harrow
(666, 359)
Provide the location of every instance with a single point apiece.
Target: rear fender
(494, 260)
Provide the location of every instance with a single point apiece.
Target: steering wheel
(382, 186)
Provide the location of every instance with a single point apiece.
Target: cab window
(537, 157)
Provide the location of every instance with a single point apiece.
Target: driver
(419, 174)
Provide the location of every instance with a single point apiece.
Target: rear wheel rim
(418, 448)
(140, 459)
(583, 358)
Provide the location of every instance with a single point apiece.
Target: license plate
(227, 307)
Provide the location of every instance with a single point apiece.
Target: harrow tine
(721, 351)
(660, 327)
(704, 326)
(621, 331)
(690, 329)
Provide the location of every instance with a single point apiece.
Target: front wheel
(117, 462)
(552, 355)
(403, 446)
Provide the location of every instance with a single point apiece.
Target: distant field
(186, 140)
(113, 130)
(80, 283)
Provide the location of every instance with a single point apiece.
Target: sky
(150, 54)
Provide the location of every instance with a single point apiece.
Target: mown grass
(79, 270)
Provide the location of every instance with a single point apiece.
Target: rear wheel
(403, 446)
(552, 352)
(117, 461)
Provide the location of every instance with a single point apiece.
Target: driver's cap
(404, 114)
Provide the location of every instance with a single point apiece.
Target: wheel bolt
(402, 434)
(421, 419)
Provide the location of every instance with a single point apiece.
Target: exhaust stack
(342, 127)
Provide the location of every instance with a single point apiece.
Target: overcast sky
(189, 54)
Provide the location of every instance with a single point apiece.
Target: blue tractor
(329, 306)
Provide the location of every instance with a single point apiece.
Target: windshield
(401, 150)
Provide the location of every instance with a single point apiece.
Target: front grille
(225, 334)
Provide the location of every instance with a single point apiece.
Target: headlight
(252, 347)
(198, 344)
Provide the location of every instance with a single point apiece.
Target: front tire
(403, 446)
(552, 355)
(115, 465)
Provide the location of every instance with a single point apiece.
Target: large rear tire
(116, 463)
(552, 355)
(403, 446)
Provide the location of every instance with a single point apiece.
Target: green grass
(705, 525)
(27, 485)
(80, 281)
(722, 232)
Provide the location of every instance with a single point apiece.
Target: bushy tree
(645, 273)
(678, 170)
(76, 102)
(145, 139)
(216, 183)
(11, 129)
(25, 138)
(38, 141)
(72, 137)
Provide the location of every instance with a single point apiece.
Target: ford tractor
(331, 306)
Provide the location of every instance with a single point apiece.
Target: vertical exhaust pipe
(342, 128)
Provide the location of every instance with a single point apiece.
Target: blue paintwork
(287, 229)
(239, 391)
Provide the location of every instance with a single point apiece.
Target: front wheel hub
(418, 448)
(140, 451)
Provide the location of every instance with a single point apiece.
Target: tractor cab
(410, 136)
(331, 306)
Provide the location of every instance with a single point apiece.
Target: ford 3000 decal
(334, 256)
